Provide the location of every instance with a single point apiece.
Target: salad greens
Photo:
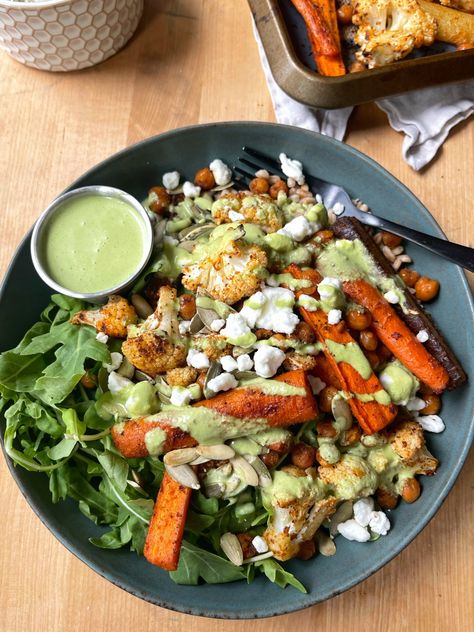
(52, 426)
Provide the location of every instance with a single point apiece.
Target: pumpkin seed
(187, 245)
(159, 230)
(183, 475)
(214, 490)
(164, 390)
(225, 469)
(264, 476)
(341, 412)
(210, 310)
(326, 545)
(245, 471)
(231, 547)
(199, 460)
(126, 369)
(180, 457)
(222, 187)
(194, 232)
(343, 513)
(219, 452)
(257, 558)
(196, 325)
(214, 370)
(245, 375)
(143, 377)
(143, 307)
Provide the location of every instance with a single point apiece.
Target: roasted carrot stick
(242, 403)
(165, 533)
(325, 371)
(396, 336)
(371, 415)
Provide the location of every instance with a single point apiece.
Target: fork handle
(462, 255)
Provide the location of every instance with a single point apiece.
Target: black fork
(332, 194)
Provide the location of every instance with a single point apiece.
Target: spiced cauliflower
(253, 209)
(390, 29)
(111, 319)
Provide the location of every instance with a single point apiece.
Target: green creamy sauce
(399, 382)
(352, 354)
(132, 401)
(290, 281)
(349, 260)
(286, 487)
(93, 243)
(381, 396)
(273, 387)
(155, 440)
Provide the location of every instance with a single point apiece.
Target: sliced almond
(231, 546)
(245, 471)
(264, 476)
(220, 452)
(180, 457)
(183, 475)
(199, 460)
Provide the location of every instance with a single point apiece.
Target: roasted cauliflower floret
(351, 477)
(298, 509)
(112, 319)
(390, 29)
(229, 271)
(253, 209)
(213, 345)
(408, 441)
(154, 346)
(181, 376)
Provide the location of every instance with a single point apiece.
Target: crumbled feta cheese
(197, 359)
(318, 198)
(338, 208)
(167, 239)
(363, 509)
(115, 361)
(391, 297)
(259, 544)
(422, 335)
(222, 382)
(234, 216)
(431, 423)
(180, 396)
(379, 523)
(217, 324)
(308, 303)
(228, 363)
(299, 228)
(268, 360)
(272, 308)
(317, 384)
(191, 190)
(184, 326)
(415, 404)
(235, 326)
(117, 382)
(244, 362)
(292, 168)
(324, 294)
(101, 337)
(334, 316)
(171, 180)
(352, 530)
(221, 172)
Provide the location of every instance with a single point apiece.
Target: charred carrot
(251, 403)
(325, 371)
(165, 533)
(396, 336)
(371, 415)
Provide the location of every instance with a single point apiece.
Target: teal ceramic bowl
(135, 170)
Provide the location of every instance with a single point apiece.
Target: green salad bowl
(136, 169)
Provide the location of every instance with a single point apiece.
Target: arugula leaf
(19, 373)
(109, 540)
(62, 449)
(277, 574)
(115, 467)
(195, 562)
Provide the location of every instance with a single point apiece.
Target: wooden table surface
(195, 61)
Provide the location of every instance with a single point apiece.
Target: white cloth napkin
(424, 116)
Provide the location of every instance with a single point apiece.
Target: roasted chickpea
(356, 66)
(293, 470)
(259, 186)
(159, 199)
(304, 333)
(383, 352)
(426, 289)
(302, 455)
(326, 429)
(411, 490)
(358, 319)
(307, 550)
(433, 404)
(204, 178)
(391, 240)
(386, 499)
(262, 334)
(368, 340)
(320, 459)
(277, 187)
(373, 358)
(88, 380)
(344, 14)
(409, 276)
(248, 548)
(270, 459)
(325, 398)
(187, 306)
(352, 435)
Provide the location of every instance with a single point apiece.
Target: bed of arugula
(52, 427)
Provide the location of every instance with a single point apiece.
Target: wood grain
(196, 61)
